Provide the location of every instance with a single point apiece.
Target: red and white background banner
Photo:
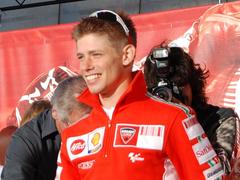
(33, 61)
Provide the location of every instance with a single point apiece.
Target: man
(33, 151)
(220, 124)
(128, 135)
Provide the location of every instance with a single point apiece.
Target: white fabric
(109, 112)
(1, 168)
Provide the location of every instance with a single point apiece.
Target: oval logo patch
(77, 146)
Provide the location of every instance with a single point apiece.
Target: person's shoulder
(35, 125)
(168, 105)
(23, 139)
(225, 112)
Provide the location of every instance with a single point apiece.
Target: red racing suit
(137, 142)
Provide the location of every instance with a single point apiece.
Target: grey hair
(64, 98)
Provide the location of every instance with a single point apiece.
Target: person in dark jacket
(171, 74)
(33, 151)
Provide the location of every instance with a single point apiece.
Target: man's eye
(80, 58)
(97, 54)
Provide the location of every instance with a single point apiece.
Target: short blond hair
(113, 29)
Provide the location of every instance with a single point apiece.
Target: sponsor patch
(86, 165)
(95, 142)
(203, 151)
(135, 157)
(139, 136)
(214, 172)
(77, 146)
(84, 145)
(192, 127)
(127, 134)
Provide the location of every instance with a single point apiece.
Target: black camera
(164, 87)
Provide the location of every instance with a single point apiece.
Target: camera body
(165, 88)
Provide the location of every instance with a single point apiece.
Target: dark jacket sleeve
(222, 134)
(20, 161)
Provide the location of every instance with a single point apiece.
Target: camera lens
(162, 92)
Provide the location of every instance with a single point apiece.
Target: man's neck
(110, 100)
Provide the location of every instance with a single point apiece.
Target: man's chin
(94, 90)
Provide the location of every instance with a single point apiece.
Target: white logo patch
(203, 151)
(151, 137)
(86, 164)
(192, 127)
(214, 172)
(135, 157)
(87, 144)
(139, 136)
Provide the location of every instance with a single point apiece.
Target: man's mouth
(92, 76)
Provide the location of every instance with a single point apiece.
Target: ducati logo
(127, 134)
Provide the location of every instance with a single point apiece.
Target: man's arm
(20, 161)
(190, 150)
(221, 126)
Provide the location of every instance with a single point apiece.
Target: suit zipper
(108, 139)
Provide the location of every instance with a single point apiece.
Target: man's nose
(87, 64)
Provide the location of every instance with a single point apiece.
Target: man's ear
(129, 52)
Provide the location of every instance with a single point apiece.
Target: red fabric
(27, 54)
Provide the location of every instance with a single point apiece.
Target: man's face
(100, 64)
